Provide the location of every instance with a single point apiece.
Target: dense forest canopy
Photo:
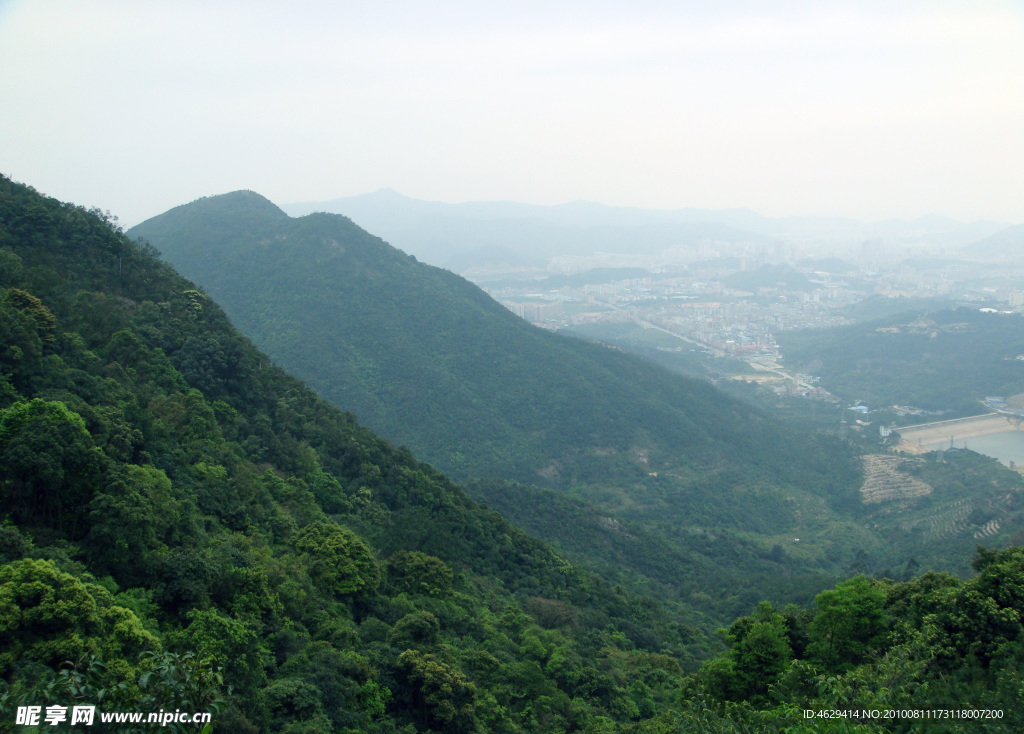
(187, 527)
(198, 509)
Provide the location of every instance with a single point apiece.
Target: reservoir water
(1006, 447)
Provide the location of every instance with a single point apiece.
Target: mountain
(431, 362)
(427, 358)
(933, 229)
(683, 493)
(937, 359)
(1005, 245)
(461, 236)
(487, 234)
(187, 528)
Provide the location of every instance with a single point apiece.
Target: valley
(435, 364)
(308, 575)
(511, 368)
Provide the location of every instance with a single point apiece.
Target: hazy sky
(861, 108)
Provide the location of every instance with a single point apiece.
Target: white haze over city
(868, 110)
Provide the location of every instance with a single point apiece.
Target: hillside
(433, 363)
(945, 361)
(188, 527)
(423, 356)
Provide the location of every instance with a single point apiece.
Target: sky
(864, 109)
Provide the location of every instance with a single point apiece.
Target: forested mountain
(946, 361)
(432, 362)
(185, 526)
(427, 358)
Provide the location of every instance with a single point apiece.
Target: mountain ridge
(434, 363)
(452, 235)
(187, 527)
(347, 257)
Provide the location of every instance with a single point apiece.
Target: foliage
(48, 465)
(171, 682)
(337, 559)
(49, 616)
(417, 573)
(944, 361)
(931, 643)
(706, 483)
(188, 526)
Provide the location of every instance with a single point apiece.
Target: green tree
(338, 560)
(849, 623)
(759, 653)
(760, 650)
(414, 630)
(233, 643)
(49, 616)
(10, 268)
(31, 306)
(130, 518)
(436, 694)
(983, 615)
(418, 573)
(49, 467)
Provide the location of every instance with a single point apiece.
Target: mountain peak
(237, 202)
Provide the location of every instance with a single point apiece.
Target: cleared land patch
(884, 482)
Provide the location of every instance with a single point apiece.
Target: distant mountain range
(473, 234)
(1006, 244)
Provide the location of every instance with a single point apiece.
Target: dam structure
(926, 437)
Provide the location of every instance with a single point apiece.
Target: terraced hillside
(885, 482)
(936, 505)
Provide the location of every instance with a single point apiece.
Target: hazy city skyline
(788, 108)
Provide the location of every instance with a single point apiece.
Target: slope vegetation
(431, 362)
(188, 527)
(944, 361)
